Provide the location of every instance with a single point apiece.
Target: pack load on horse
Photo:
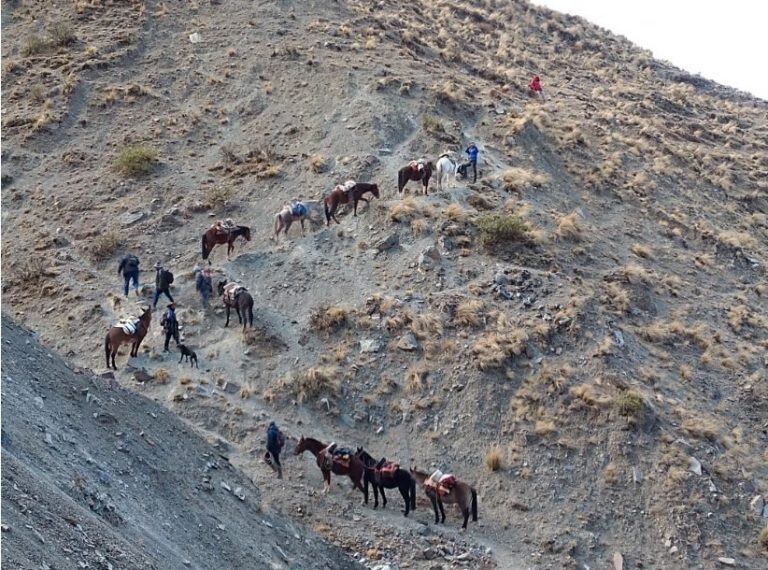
(445, 488)
(349, 192)
(416, 170)
(342, 464)
(128, 330)
(295, 210)
(236, 295)
(223, 232)
(387, 475)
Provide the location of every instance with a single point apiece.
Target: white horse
(285, 217)
(445, 167)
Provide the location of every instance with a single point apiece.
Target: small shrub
(104, 245)
(61, 35)
(416, 378)
(31, 270)
(516, 179)
(762, 539)
(498, 228)
(406, 209)
(569, 227)
(493, 459)
(34, 45)
(216, 196)
(137, 160)
(317, 163)
(469, 313)
(455, 212)
(629, 403)
(431, 124)
(426, 326)
(328, 319)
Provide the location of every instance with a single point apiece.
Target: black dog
(189, 354)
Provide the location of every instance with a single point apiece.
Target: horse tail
(250, 313)
(327, 211)
(204, 245)
(400, 176)
(474, 505)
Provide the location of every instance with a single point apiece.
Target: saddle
(129, 325)
(231, 291)
(416, 166)
(340, 455)
(441, 483)
(224, 226)
(299, 209)
(388, 469)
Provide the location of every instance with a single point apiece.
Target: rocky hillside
(95, 476)
(582, 334)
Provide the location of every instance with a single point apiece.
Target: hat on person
(158, 265)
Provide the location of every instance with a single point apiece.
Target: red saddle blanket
(388, 469)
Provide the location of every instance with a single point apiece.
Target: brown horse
(412, 171)
(354, 470)
(238, 297)
(339, 196)
(462, 494)
(117, 336)
(381, 479)
(218, 235)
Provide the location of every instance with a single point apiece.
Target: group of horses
(364, 471)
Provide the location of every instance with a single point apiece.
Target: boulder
(408, 342)
(141, 375)
(392, 240)
(369, 345)
(429, 258)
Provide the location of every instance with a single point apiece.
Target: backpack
(131, 259)
(168, 276)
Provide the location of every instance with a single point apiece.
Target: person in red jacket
(535, 87)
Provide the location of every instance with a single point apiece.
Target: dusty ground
(620, 334)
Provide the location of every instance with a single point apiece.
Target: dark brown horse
(340, 196)
(380, 479)
(354, 469)
(220, 235)
(411, 171)
(117, 336)
(462, 494)
(237, 296)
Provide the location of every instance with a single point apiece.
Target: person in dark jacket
(275, 442)
(204, 286)
(170, 325)
(129, 267)
(163, 280)
(472, 152)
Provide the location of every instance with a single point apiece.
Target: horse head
(301, 445)
(375, 190)
(220, 286)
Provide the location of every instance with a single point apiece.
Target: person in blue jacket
(472, 151)
(275, 442)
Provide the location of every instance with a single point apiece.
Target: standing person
(204, 286)
(163, 280)
(472, 152)
(170, 325)
(275, 443)
(535, 87)
(129, 267)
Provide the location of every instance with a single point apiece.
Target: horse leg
(250, 315)
(239, 317)
(301, 221)
(442, 510)
(227, 323)
(405, 492)
(327, 481)
(365, 491)
(465, 512)
(288, 225)
(434, 507)
(383, 497)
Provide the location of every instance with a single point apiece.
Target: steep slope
(615, 332)
(94, 475)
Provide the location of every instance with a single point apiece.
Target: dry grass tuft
(762, 539)
(455, 212)
(426, 326)
(493, 459)
(569, 227)
(469, 313)
(137, 160)
(516, 179)
(104, 245)
(416, 378)
(58, 35)
(315, 382)
(407, 209)
(617, 297)
(641, 250)
(161, 376)
(329, 319)
(216, 196)
(544, 427)
(317, 163)
(629, 403)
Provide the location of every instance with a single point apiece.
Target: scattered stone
(141, 375)
(726, 561)
(109, 375)
(637, 476)
(757, 504)
(673, 550)
(392, 240)
(408, 342)
(195, 38)
(239, 493)
(39, 402)
(131, 218)
(694, 466)
(369, 345)
(225, 487)
(618, 561)
(429, 258)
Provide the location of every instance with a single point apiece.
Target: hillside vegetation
(582, 334)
